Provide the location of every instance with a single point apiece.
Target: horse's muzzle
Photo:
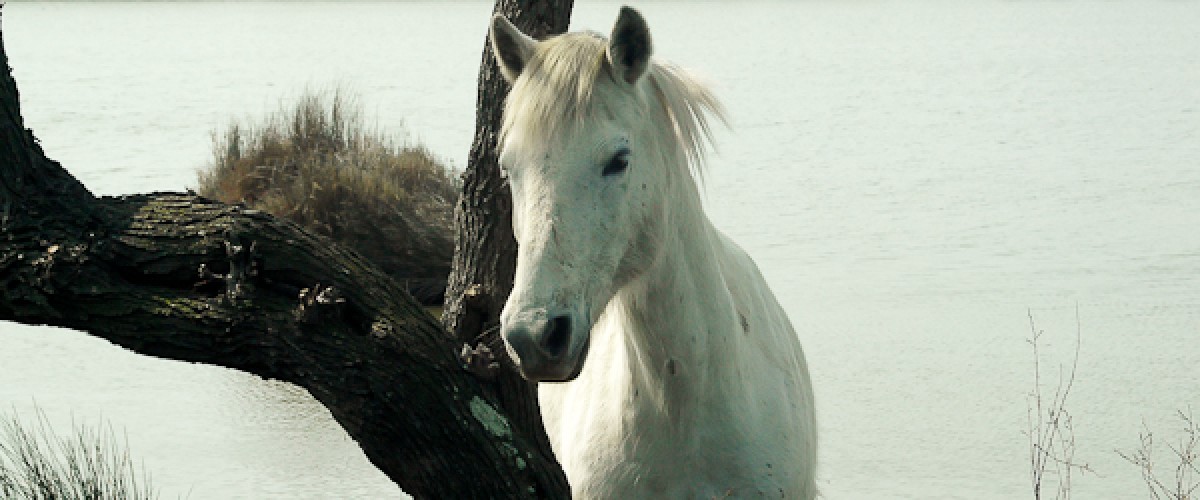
(546, 347)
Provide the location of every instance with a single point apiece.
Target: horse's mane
(558, 83)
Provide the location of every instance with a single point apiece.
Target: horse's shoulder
(751, 293)
(736, 264)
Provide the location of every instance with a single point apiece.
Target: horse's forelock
(557, 88)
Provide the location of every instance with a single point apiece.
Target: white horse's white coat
(695, 385)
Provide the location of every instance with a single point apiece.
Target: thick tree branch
(181, 277)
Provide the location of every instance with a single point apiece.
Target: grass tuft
(36, 464)
(320, 166)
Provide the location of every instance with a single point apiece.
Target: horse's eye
(618, 163)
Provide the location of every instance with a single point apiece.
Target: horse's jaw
(552, 379)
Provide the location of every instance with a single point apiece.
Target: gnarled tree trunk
(177, 276)
(485, 254)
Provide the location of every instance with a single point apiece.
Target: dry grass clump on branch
(318, 165)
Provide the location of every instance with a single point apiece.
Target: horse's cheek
(639, 253)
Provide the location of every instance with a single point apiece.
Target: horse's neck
(678, 318)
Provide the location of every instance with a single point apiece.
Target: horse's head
(580, 149)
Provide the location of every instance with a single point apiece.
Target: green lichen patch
(492, 420)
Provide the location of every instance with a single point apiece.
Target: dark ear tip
(631, 23)
(629, 14)
(629, 46)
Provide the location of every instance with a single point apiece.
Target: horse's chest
(667, 472)
(635, 452)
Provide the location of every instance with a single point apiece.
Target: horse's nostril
(557, 336)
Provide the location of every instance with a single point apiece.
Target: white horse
(696, 385)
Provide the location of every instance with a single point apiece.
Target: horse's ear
(629, 46)
(511, 47)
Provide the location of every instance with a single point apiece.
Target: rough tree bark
(177, 276)
(485, 252)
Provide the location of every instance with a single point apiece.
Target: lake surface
(915, 179)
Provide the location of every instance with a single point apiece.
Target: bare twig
(1184, 485)
(1051, 428)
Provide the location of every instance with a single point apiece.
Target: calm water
(913, 178)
